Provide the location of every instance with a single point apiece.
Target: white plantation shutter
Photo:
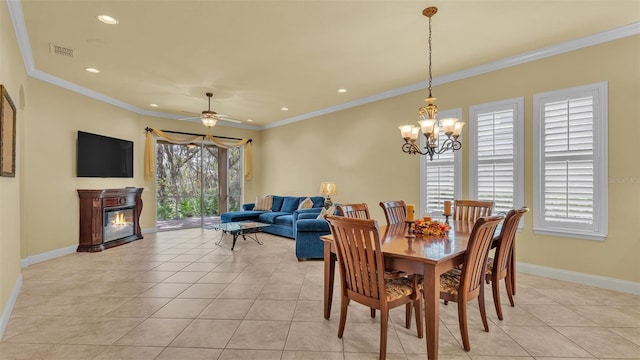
(440, 178)
(570, 131)
(496, 154)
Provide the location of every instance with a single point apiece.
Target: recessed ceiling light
(153, 105)
(92, 70)
(249, 120)
(107, 19)
(342, 90)
(284, 108)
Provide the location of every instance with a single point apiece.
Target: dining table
(429, 255)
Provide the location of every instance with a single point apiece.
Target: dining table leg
(329, 277)
(431, 292)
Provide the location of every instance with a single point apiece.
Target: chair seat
(398, 288)
(450, 281)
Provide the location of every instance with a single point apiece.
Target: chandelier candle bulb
(427, 126)
(410, 212)
(406, 131)
(458, 128)
(448, 125)
(415, 131)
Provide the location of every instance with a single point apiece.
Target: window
(441, 178)
(496, 171)
(570, 162)
(195, 184)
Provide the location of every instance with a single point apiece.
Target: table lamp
(327, 189)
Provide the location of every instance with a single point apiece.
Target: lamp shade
(327, 188)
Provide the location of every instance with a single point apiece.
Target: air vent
(60, 50)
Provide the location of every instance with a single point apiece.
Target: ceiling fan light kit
(209, 118)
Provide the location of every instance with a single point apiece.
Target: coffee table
(239, 228)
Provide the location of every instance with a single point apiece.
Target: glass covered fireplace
(118, 223)
(109, 217)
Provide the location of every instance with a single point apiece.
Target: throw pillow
(306, 204)
(263, 203)
(330, 211)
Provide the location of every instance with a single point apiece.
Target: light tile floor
(177, 295)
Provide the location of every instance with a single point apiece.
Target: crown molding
(553, 50)
(17, 18)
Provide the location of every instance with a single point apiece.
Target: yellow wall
(13, 76)
(359, 149)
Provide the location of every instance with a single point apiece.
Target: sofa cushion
(234, 216)
(318, 201)
(329, 211)
(277, 203)
(286, 220)
(290, 204)
(263, 203)
(270, 217)
(307, 203)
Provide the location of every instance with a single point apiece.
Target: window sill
(571, 234)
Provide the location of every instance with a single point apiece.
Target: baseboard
(6, 313)
(34, 259)
(625, 286)
(150, 230)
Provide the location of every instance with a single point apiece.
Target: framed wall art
(7, 135)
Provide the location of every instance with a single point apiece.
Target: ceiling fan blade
(224, 118)
(220, 118)
(189, 118)
(190, 112)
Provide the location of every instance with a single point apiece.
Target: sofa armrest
(248, 206)
(312, 211)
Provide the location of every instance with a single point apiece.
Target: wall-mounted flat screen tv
(103, 156)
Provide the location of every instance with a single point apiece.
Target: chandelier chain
(430, 76)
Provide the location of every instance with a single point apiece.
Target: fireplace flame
(119, 220)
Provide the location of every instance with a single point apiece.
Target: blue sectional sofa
(282, 217)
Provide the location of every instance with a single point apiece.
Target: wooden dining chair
(355, 211)
(464, 284)
(501, 265)
(395, 211)
(361, 211)
(471, 210)
(362, 275)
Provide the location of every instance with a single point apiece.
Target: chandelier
(429, 124)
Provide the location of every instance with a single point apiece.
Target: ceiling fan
(209, 117)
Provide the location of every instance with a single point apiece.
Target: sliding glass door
(195, 183)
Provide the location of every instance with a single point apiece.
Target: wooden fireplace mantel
(94, 203)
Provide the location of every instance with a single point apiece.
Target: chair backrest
(506, 239)
(471, 210)
(475, 258)
(354, 211)
(359, 250)
(395, 211)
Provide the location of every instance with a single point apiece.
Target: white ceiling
(259, 56)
